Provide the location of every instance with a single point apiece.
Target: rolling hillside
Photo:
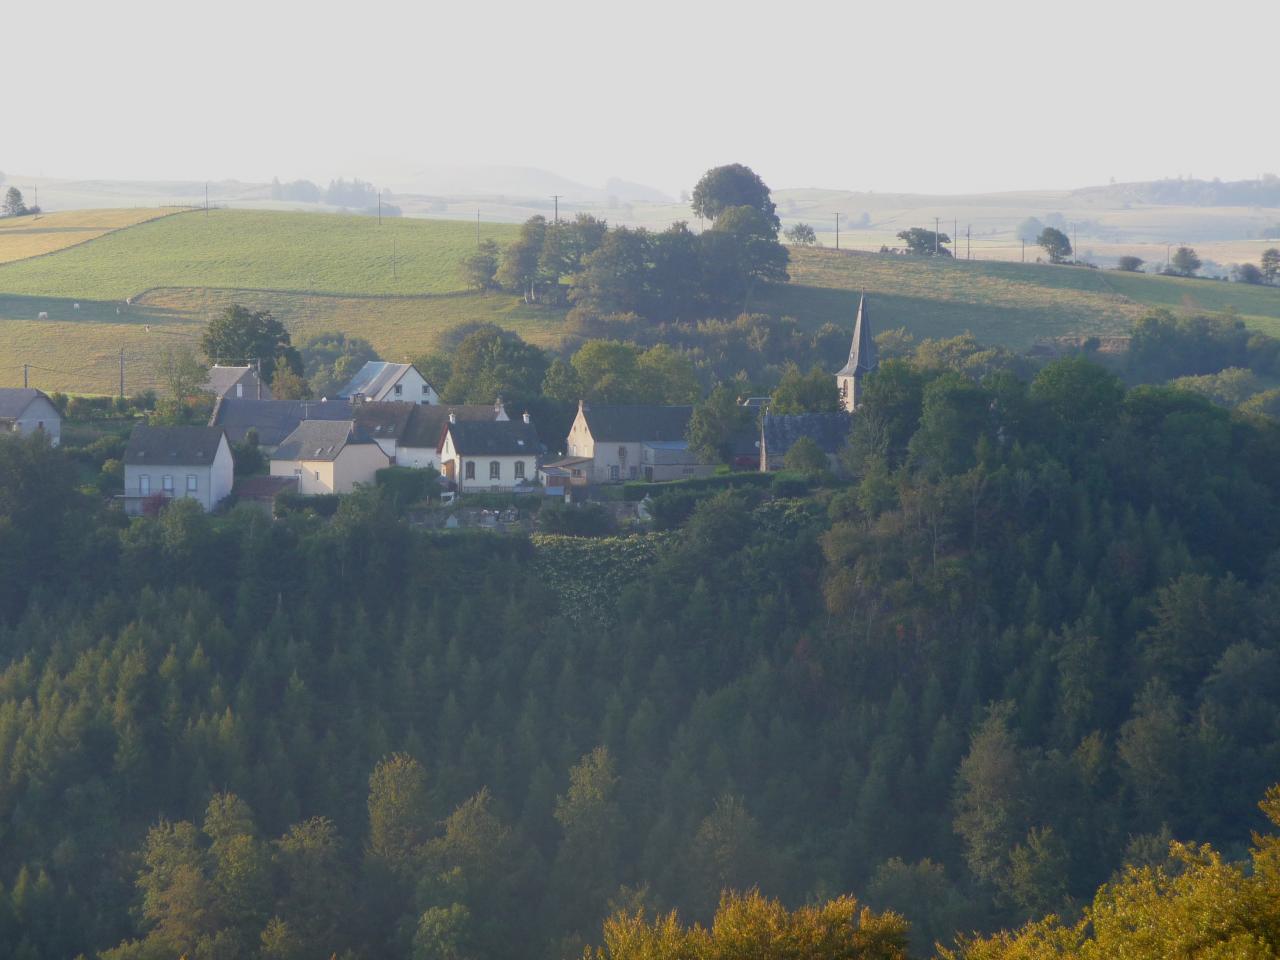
(24, 237)
(323, 271)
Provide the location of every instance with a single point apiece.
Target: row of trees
(674, 275)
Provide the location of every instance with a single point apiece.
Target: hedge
(639, 489)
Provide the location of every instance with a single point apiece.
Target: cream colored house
(489, 455)
(613, 436)
(413, 439)
(26, 411)
(176, 462)
(328, 456)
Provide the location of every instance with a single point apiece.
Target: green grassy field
(231, 249)
(325, 272)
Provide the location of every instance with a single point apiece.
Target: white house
(242, 383)
(489, 455)
(328, 456)
(379, 380)
(612, 436)
(26, 411)
(174, 462)
(419, 445)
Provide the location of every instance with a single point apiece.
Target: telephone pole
(968, 241)
(477, 228)
(1024, 249)
(393, 258)
(122, 374)
(937, 225)
(379, 208)
(206, 199)
(556, 198)
(837, 231)
(24, 376)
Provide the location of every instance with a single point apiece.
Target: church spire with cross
(862, 360)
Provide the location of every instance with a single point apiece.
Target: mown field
(324, 272)
(33, 236)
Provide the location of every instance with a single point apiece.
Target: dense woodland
(1031, 640)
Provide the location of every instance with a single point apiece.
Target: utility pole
(393, 258)
(955, 235)
(24, 376)
(837, 231)
(258, 375)
(1075, 242)
(477, 228)
(379, 208)
(1024, 249)
(968, 241)
(937, 225)
(206, 199)
(122, 374)
(556, 198)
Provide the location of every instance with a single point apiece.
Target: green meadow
(327, 271)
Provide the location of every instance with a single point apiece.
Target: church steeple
(862, 359)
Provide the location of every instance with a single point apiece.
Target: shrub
(408, 485)
(587, 520)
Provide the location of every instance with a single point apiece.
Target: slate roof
(828, 430)
(15, 400)
(273, 419)
(222, 379)
(495, 438)
(427, 422)
(383, 421)
(319, 440)
(172, 446)
(373, 378)
(636, 423)
(862, 351)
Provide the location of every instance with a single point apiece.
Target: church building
(862, 360)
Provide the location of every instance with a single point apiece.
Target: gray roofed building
(482, 438)
(863, 359)
(25, 410)
(636, 422)
(318, 440)
(182, 446)
(238, 382)
(426, 426)
(778, 432)
(272, 419)
(382, 380)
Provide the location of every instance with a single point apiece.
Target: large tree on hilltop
(733, 185)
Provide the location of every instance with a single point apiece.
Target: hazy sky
(925, 97)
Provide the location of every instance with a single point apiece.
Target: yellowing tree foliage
(750, 925)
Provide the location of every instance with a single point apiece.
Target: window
(613, 472)
(399, 389)
(239, 389)
(495, 470)
(519, 469)
(622, 456)
(633, 472)
(470, 470)
(426, 390)
(193, 483)
(144, 485)
(166, 484)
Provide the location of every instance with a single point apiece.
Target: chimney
(525, 418)
(453, 417)
(497, 407)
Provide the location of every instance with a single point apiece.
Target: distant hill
(1263, 192)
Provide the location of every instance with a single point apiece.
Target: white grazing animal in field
(75, 306)
(42, 315)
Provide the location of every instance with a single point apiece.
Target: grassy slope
(33, 236)
(325, 253)
(323, 271)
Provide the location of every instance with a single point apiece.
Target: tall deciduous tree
(716, 422)
(733, 185)
(239, 335)
(1185, 262)
(1055, 244)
